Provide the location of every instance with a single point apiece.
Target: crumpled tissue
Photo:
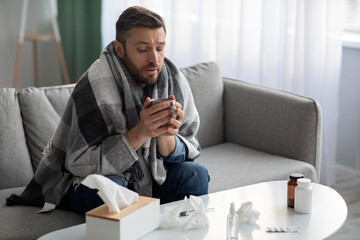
(247, 214)
(170, 218)
(197, 219)
(114, 196)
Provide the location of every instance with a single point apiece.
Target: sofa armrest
(273, 121)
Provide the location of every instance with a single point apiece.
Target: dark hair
(136, 17)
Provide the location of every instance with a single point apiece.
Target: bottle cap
(232, 208)
(295, 176)
(303, 182)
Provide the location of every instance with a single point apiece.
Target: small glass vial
(232, 224)
(303, 196)
(292, 183)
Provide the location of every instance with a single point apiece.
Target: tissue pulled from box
(114, 196)
(247, 214)
(198, 218)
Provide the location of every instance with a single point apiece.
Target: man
(109, 126)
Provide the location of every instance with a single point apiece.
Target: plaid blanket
(90, 138)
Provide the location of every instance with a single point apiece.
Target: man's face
(144, 53)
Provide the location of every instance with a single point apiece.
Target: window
(351, 36)
(352, 15)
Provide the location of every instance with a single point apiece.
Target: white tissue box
(131, 222)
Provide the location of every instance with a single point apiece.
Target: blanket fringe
(48, 147)
(135, 172)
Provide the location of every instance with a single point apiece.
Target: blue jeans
(183, 179)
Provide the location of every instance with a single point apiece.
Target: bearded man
(109, 126)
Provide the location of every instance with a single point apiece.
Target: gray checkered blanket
(90, 138)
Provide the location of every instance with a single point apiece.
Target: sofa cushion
(15, 164)
(207, 87)
(41, 109)
(242, 166)
(23, 222)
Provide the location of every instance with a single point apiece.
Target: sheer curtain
(292, 45)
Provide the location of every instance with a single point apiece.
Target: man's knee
(118, 180)
(200, 172)
(203, 178)
(198, 178)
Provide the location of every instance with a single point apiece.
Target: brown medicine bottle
(292, 183)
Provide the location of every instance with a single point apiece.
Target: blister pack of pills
(288, 229)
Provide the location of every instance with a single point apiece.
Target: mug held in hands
(162, 100)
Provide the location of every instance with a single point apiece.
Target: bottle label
(291, 196)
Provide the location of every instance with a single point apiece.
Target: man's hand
(157, 121)
(174, 124)
(166, 141)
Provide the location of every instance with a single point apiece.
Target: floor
(348, 185)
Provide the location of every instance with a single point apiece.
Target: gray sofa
(248, 134)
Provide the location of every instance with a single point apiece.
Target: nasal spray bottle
(232, 224)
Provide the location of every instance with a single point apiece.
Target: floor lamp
(38, 38)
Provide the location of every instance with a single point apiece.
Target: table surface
(329, 212)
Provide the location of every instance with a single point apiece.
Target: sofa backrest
(207, 88)
(29, 117)
(15, 164)
(41, 109)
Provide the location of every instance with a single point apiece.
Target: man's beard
(136, 72)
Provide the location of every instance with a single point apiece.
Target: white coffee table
(269, 198)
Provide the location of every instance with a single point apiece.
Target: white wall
(348, 150)
(49, 66)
